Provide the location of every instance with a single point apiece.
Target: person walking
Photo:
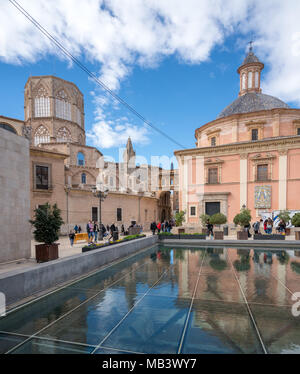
(122, 230)
(79, 229)
(210, 229)
(71, 237)
(256, 227)
(95, 231)
(76, 229)
(112, 229)
(158, 227)
(153, 227)
(90, 231)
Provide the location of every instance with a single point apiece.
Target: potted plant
(47, 223)
(242, 219)
(179, 218)
(218, 219)
(296, 223)
(203, 219)
(284, 215)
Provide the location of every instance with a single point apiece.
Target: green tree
(284, 215)
(204, 218)
(243, 218)
(179, 218)
(218, 219)
(296, 220)
(47, 223)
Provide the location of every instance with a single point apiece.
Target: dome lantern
(249, 72)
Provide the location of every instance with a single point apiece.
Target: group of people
(165, 226)
(93, 230)
(268, 225)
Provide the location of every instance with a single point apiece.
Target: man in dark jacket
(153, 227)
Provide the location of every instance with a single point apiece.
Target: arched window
(62, 106)
(7, 127)
(41, 135)
(80, 159)
(63, 135)
(83, 178)
(243, 81)
(250, 79)
(256, 79)
(41, 103)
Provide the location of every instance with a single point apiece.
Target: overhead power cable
(85, 69)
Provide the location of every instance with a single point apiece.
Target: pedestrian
(79, 229)
(281, 227)
(158, 227)
(169, 226)
(122, 229)
(247, 229)
(95, 231)
(72, 237)
(210, 229)
(265, 225)
(76, 229)
(256, 226)
(153, 227)
(90, 231)
(269, 226)
(107, 228)
(112, 229)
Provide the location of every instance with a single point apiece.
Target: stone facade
(248, 156)
(63, 169)
(15, 193)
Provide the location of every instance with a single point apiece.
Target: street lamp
(99, 193)
(68, 189)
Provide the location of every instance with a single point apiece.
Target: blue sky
(177, 84)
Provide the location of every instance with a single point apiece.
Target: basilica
(64, 169)
(247, 157)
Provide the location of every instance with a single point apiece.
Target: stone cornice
(272, 144)
(36, 151)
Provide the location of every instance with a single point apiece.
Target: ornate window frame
(190, 213)
(208, 164)
(213, 134)
(49, 166)
(258, 160)
(255, 126)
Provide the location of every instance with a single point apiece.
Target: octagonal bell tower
(54, 111)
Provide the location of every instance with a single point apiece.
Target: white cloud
(116, 35)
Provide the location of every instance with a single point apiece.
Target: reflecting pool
(168, 300)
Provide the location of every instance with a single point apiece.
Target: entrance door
(212, 208)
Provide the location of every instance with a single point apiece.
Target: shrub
(243, 218)
(47, 223)
(296, 220)
(204, 218)
(179, 218)
(284, 215)
(218, 219)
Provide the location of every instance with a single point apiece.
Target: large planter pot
(297, 235)
(218, 235)
(242, 235)
(46, 252)
(269, 237)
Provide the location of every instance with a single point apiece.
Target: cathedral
(247, 157)
(63, 169)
